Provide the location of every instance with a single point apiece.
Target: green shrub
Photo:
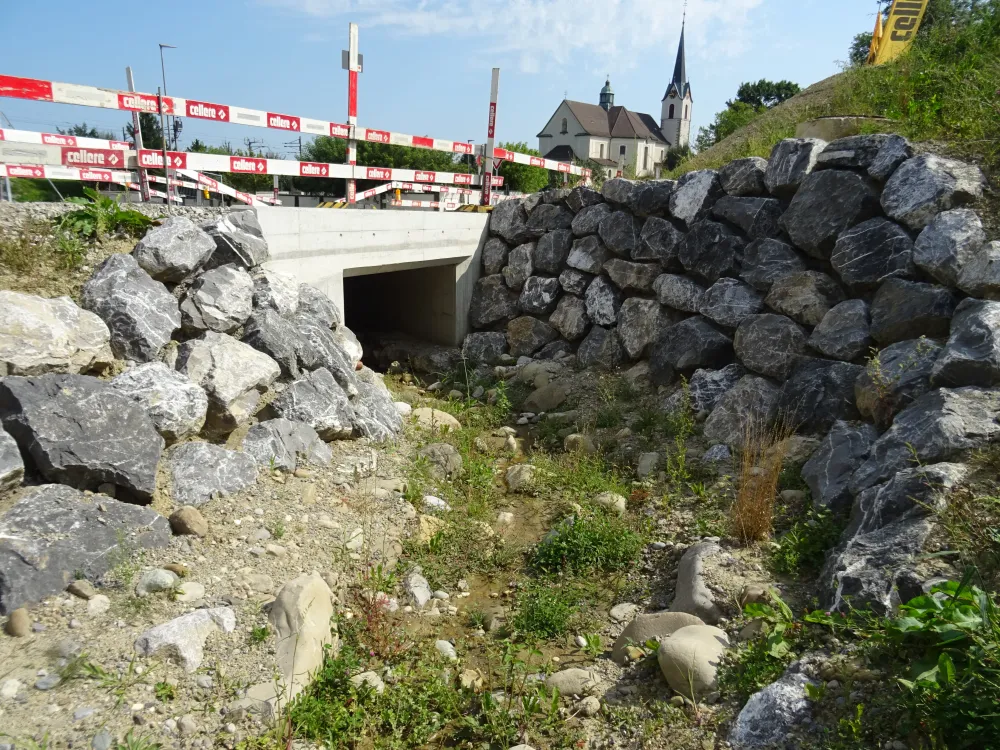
(544, 611)
(598, 542)
(99, 216)
(800, 551)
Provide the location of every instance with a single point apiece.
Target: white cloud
(613, 34)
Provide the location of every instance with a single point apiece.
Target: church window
(671, 112)
(600, 150)
(565, 126)
(645, 158)
(685, 111)
(621, 150)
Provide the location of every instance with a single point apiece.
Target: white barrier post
(137, 130)
(490, 133)
(352, 106)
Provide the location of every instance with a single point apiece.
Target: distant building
(616, 137)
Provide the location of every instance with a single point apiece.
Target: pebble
(257, 551)
(658, 545)
(190, 591)
(355, 540)
(38, 627)
(67, 648)
(170, 726)
(589, 706)
(47, 682)
(442, 595)
(153, 581)
(98, 605)
(580, 641)
(262, 535)
(230, 728)
(74, 623)
(9, 688)
(82, 589)
(18, 623)
(446, 649)
(275, 550)
(82, 713)
(462, 585)
(205, 682)
(102, 740)
(432, 503)
(187, 725)
(188, 521)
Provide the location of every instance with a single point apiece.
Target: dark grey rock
(520, 265)
(484, 348)
(526, 335)
(632, 277)
(173, 250)
(640, 323)
(911, 309)
(829, 469)
(980, 277)
(547, 217)
(729, 302)
(495, 252)
(321, 347)
(509, 222)
(492, 301)
(238, 239)
(554, 350)
(174, 404)
(539, 295)
(757, 217)
(284, 444)
(54, 533)
(751, 401)
(314, 302)
(791, 161)
(744, 177)
(588, 254)
(852, 152)
(201, 471)
(552, 250)
(582, 196)
(603, 301)
(687, 346)
(570, 318)
(894, 152)
(618, 191)
(375, 414)
(872, 251)
(553, 195)
(938, 426)
(588, 221)
(679, 292)
(11, 465)
(444, 462)
(277, 291)
(891, 381)
(770, 344)
(694, 196)
(827, 204)
(818, 393)
(972, 354)
(652, 198)
(78, 430)
(844, 332)
(705, 388)
(711, 250)
(620, 232)
(141, 314)
(927, 184)
(765, 261)
(946, 245)
(268, 332)
(219, 300)
(659, 241)
(771, 715)
(805, 297)
(319, 401)
(601, 348)
(574, 282)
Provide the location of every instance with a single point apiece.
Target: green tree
(149, 126)
(197, 147)
(860, 45)
(726, 122)
(765, 93)
(82, 130)
(521, 178)
(676, 156)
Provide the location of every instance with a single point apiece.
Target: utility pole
(166, 158)
(353, 68)
(490, 133)
(137, 129)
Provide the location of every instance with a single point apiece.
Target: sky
(427, 62)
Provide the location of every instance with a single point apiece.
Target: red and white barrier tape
(208, 183)
(58, 139)
(44, 171)
(406, 203)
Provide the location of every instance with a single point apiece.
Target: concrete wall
(322, 246)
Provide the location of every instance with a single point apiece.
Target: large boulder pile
(844, 287)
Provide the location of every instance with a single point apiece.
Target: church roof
(617, 122)
(679, 81)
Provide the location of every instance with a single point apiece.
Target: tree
(676, 156)
(860, 47)
(149, 126)
(520, 178)
(727, 122)
(81, 130)
(197, 147)
(765, 93)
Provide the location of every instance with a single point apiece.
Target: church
(617, 138)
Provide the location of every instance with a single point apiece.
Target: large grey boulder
(852, 152)
(284, 444)
(268, 332)
(925, 185)
(575, 282)
(844, 332)
(791, 161)
(176, 406)
(589, 219)
(173, 250)
(603, 300)
(827, 203)
(319, 401)
(679, 292)
(526, 335)
(829, 469)
(314, 302)
(659, 241)
(805, 297)
(910, 309)
(200, 472)
(938, 426)
(618, 191)
(640, 323)
(692, 594)
(548, 217)
(750, 402)
(649, 626)
(757, 217)
(492, 301)
(348, 343)
(277, 291)
(705, 388)
(495, 252)
(744, 177)
(895, 150)
(601, 348)
(551, 251)
(972, 354)
(232, 373)
(570, 318)
(652, 198)
(711, 250)
(509, 221)
(817, 393)
(519, 266)
(39, 335)
(219, 300)
(582, 196)
(588, 254)
(141, 314)
(689, 659)
(952, 240)
(770, 344)
(729, 302)
(620, 232)
(871, 252)
(894, 378)
(687, 346)
(55, 533)
(182, 639)
(484, 348)
(694, 195)
(765, 261)
(629, 276)
(772, 714)
(238, 239)
(11, 464)
(539, 295)
(78, 430)
(375, 413)
(980, 277)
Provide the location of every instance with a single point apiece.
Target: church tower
(607, 95)
(675, 108)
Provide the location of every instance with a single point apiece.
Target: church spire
(680, 67)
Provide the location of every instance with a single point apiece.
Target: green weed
(258, 635)
(164, 692)
(99, 216)
(598, 542)
(544, 611)
(800, 551)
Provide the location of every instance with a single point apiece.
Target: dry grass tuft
(765, 445)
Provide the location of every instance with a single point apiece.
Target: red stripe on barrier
(25, 88)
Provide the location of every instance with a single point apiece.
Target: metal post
(137, 129)
(275, 191)
(490, 133)
(166, 159)
(352, 106)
